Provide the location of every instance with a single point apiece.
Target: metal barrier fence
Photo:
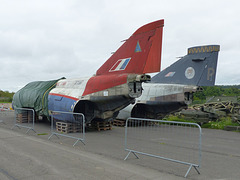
(178, 142)
(73, 123)
(3, 115)
(25, 118)
(7, 116)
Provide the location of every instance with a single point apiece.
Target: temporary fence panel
(179, 142)
(2, 115)
(7, 116)
(73, 125)
(25, 118)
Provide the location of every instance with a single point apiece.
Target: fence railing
(178, 142)
(25, 118)
(3, 114)
(68, 124)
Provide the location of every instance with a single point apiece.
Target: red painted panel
(148, 38)
(99, 83)
(154, 57)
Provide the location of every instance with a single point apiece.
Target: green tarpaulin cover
(34, 95)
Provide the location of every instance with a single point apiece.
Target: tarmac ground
(33, 156)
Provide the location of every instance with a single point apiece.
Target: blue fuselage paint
(61, 103)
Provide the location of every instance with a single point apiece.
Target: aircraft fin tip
(150, 26)
(140, 54)
(203, 49)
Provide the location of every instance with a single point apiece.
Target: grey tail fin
(198, 68)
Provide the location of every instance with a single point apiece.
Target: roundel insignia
(189, 73)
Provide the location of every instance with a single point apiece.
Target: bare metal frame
(172, 123)
(82, 139)
(31, 125)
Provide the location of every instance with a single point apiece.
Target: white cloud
(41, 40)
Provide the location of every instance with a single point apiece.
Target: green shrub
(176, 118)
(220, 124)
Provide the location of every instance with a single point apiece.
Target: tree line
(209, 91)
(6, 96)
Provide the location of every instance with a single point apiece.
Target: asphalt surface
(33, 156)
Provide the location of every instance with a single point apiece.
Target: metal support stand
(130, 153)
(57, 134)
(78, 141)
(52, 135)
(29, 128)
(195, 167)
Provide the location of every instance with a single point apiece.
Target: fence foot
(14, 126)
(130, 153)
(188, 171)
(19, 127)
(52, 135)
(78, 141)
(135, 155)
(127, 155)
(30, 129)
(195, 167)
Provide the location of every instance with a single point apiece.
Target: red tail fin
(140, 54)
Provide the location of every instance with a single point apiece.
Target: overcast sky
(50, 39)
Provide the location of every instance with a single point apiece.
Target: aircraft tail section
(198, 68)
(140, 54)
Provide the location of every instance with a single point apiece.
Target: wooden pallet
(24, 118)
(68, 131)
(68, 127)
(102, 126)
(118, 122)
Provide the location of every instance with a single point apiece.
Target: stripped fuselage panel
(157, 100)
(70, 95)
